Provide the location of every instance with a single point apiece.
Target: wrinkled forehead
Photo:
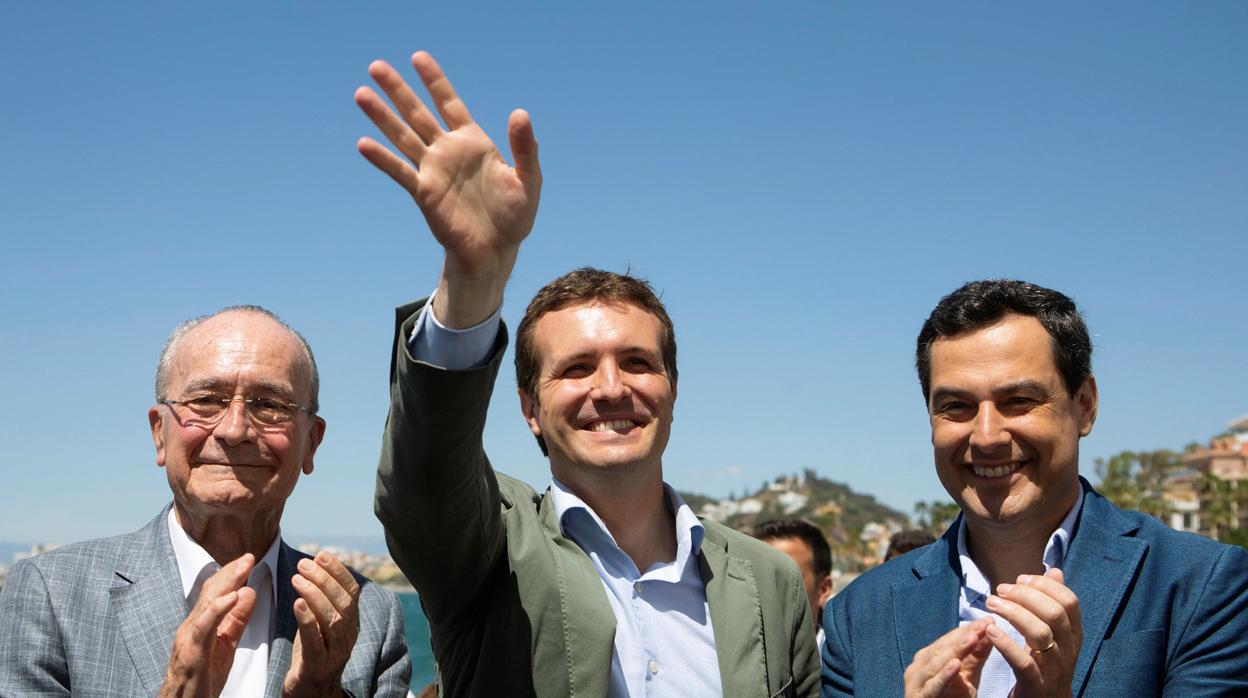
(240, 350)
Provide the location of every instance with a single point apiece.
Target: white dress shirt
(249, 673)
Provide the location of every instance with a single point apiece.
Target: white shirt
(997, 677)
(249, 672)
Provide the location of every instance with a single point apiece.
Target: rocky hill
(856, 525)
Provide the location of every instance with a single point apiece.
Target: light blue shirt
(664, 642)
(997, 678)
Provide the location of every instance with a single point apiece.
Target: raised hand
(478, 207)
(1046, 613)
(329, 622)
(203, 647)
(950, 666)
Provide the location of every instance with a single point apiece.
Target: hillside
(856, 525)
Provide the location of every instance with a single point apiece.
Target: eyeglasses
(208, 410)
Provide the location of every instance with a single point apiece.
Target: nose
(989, 429)
(609, 383)
(234, 425)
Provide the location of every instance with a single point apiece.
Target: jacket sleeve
(838, 679)
(32, 654)
(805, 654)
(437, 496)
(393, 671)
(1211, 658)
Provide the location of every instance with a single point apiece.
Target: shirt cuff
(434, 343)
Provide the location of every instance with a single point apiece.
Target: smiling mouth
(612, 425)
(996, 470)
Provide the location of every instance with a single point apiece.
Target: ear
(157, 423)
(529, 408)
(315, 434)
(1086, 400)
(825, 589)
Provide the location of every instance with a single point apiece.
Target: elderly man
(207, 600)
(606, 583)
(1089, 599)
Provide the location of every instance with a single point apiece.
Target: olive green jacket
(514, 607)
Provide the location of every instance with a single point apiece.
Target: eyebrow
(262, 385)
(1014, 388)
(582, 355)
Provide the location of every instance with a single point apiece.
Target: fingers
(398, 169)
(524, 147)
(1046, 613)
(410, 107)
(230, 628)
(330, 594)
(229, 578)
(396, 131)
(449, 105)
(936, 669)
(1043, 610)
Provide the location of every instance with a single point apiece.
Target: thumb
(524, 147)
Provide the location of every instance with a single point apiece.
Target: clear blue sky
(802, 181)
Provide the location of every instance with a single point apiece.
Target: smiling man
(1042, 586)
(606, 583)
(207, 600)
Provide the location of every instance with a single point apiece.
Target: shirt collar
(973, 579)
(569, 508)
(195, 565)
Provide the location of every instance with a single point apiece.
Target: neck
(1004, 551)
(635, 511)
(227, 536)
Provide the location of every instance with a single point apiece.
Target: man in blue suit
(1042, 586)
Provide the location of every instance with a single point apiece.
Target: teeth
(611, 425)
(997, 471)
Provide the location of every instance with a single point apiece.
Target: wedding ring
(1051, 645)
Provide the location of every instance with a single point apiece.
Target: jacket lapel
(147, 601)
(1101, 564)
(584, 621)
(736, 616)
(284, 626)
(917, 620)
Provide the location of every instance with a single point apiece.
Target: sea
(417, 640)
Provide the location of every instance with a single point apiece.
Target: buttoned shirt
(997, 678)
(249, 673)
(664, 641)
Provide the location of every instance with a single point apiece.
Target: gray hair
(179, 332)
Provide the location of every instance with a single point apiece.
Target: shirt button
(654, 667)
(637, 587)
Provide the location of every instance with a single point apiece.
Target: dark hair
(578, 287)
(804, 531)
(981, 303)
(905, 541)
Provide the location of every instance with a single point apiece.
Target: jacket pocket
(788, 690)
(1128, 664)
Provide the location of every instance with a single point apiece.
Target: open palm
(478, 207)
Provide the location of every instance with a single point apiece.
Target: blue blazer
(1164, 612)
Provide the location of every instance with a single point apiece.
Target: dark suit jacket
(97, 618)
(514, 607)
(1164, 612)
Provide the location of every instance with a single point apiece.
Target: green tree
(1136, 479)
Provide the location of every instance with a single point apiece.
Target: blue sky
(802, 181)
